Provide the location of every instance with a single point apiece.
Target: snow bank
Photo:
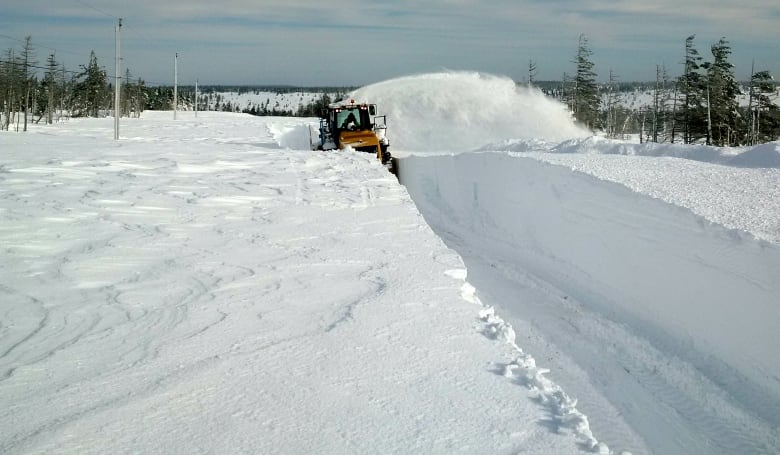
(696, 290)
(736, 187)
(668, 276)
(764, 155)
(760, 156)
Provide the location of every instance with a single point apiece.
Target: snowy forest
(705, 104)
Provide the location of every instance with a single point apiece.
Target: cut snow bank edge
(702, 292)
(738, 188)
(524, 371)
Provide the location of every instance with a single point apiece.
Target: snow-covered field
(645, 99)
(292, 100)
(287, 101)
(210, 285)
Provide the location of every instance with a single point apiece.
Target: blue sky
(357, 42)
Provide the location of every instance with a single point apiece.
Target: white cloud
(402, 35)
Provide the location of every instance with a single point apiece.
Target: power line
(46, 68)
(109, 76)
(36, 44)
(56, 51)
(96, 9)
(11, 38)
(80, 54)
(28, 65)
(125, 28)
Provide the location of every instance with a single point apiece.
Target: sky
(358, 42)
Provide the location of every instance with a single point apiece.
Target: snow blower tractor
(349, 125)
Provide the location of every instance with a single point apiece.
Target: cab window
(348, 119)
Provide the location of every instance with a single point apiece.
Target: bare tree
(613, 101)
(51, 87)
(28, 61)
(11, 87)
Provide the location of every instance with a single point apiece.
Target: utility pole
(117, 81)
(175, 85)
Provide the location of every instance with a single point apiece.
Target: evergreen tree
(726, 124)
(160, 99)
(126, 90)
(691, 84)
(586, 95)
(140, 97)
(92, 92)
(316, 108)
(763, 114)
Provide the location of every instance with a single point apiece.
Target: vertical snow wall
(693, 288)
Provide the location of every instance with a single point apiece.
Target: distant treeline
(700, 106)
(213, 98)
(256, 89)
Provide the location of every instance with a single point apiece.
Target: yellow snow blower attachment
(350, 125)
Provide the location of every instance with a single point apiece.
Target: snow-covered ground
(210, 285)
(270, 100)
(645, 99)
(199, 287)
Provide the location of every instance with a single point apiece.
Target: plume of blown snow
(458, 111)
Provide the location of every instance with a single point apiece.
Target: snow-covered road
(209, 285)
(198, 287)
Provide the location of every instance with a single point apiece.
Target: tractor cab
(353, 118)
(355, 126)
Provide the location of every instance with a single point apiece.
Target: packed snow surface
(200, 287)
(211, 285)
